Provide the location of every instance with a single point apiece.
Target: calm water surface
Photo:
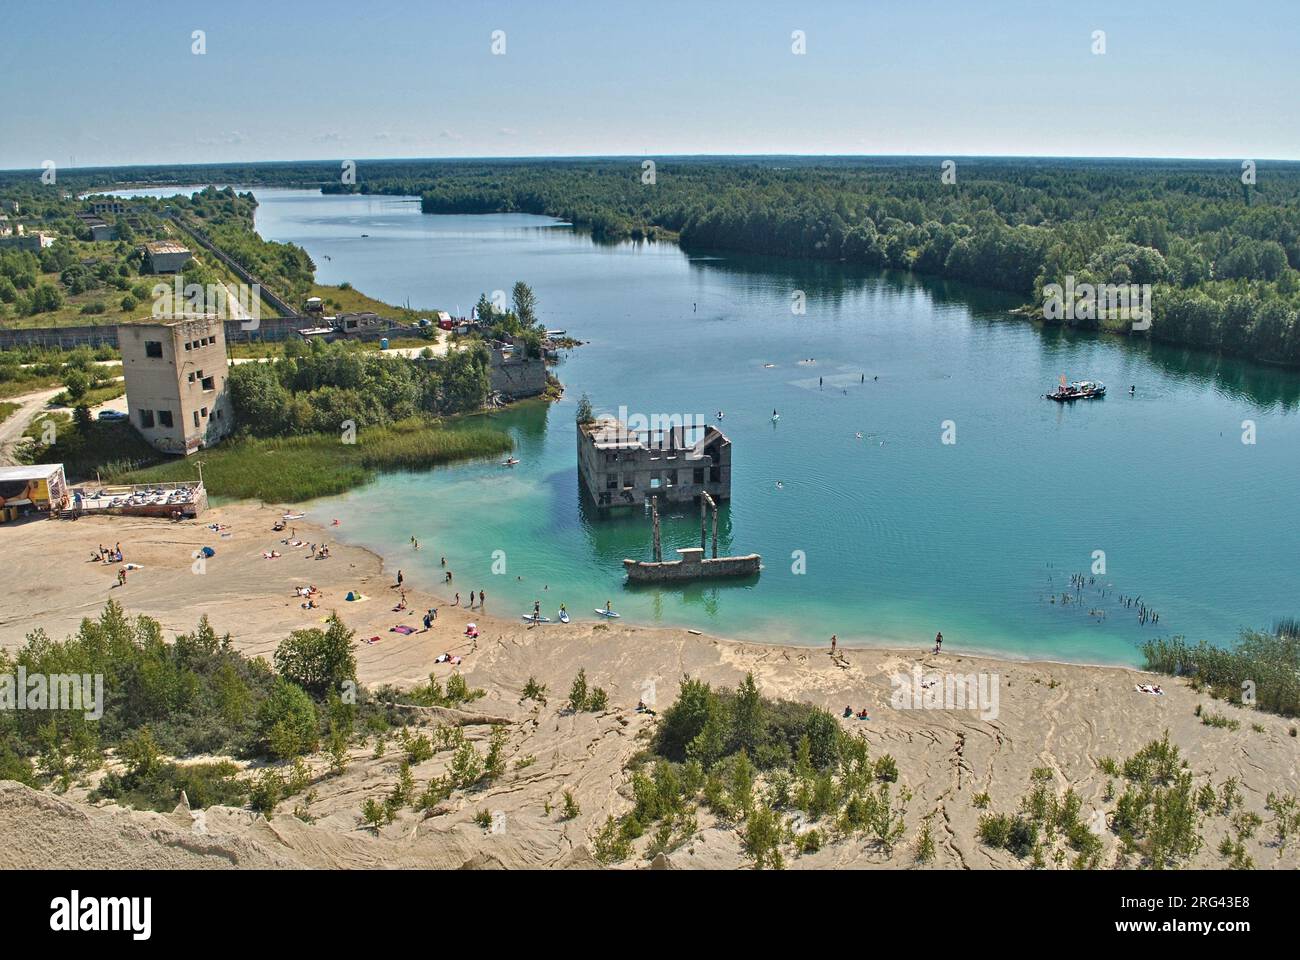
(902, 535)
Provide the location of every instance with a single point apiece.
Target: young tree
(525, 304)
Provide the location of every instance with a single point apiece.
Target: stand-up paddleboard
(529, 618)
(607, 613)
(564, 616)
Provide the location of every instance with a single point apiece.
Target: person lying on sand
(1148, 688)
(272, 555)
(642, 708)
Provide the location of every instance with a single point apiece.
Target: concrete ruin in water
(693, 565)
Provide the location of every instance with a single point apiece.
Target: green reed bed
(292, 469)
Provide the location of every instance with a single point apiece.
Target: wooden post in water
(654, 519)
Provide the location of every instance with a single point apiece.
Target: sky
(105, 83)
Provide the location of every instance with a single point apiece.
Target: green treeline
(318, 387)
(1221, 254)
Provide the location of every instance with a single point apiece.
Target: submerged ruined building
(622, 466)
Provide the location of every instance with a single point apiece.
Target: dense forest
(1218, 243)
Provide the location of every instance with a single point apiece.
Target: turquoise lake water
(903, 535)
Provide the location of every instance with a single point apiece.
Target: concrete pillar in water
(654, 515)
(706, 499)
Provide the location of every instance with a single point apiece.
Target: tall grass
(1271, 661)
(292, 469)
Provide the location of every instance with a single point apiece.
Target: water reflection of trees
(1256, 383)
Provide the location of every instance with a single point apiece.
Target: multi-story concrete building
(619, 466)
(176, 372)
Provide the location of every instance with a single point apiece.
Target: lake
(897, 534)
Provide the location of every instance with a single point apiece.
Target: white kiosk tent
(41, 486)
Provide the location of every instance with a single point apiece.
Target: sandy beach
(1062, 717)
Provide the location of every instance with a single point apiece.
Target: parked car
(112, 415)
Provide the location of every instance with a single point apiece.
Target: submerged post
(654, 519)
(706, 499)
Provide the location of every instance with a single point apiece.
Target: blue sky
(94, 83)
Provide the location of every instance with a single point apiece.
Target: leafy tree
(318, 660)
(287, 721)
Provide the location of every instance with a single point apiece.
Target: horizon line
(683, 156)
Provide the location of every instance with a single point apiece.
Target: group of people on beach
(108, 555)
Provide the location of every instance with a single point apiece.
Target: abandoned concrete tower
(175, 371)
(619, 465)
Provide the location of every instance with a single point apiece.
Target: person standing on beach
(834, 640)
(480, 599)
(938, 642)
(400, 578)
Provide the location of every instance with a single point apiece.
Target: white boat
(529, 618)
(607, 613)
(509, 463)
(564, 616)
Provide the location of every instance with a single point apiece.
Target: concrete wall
(168, 262)
(517, 378)
(105, 334)
(693, 565)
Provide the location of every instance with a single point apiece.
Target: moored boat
(1078, 390)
